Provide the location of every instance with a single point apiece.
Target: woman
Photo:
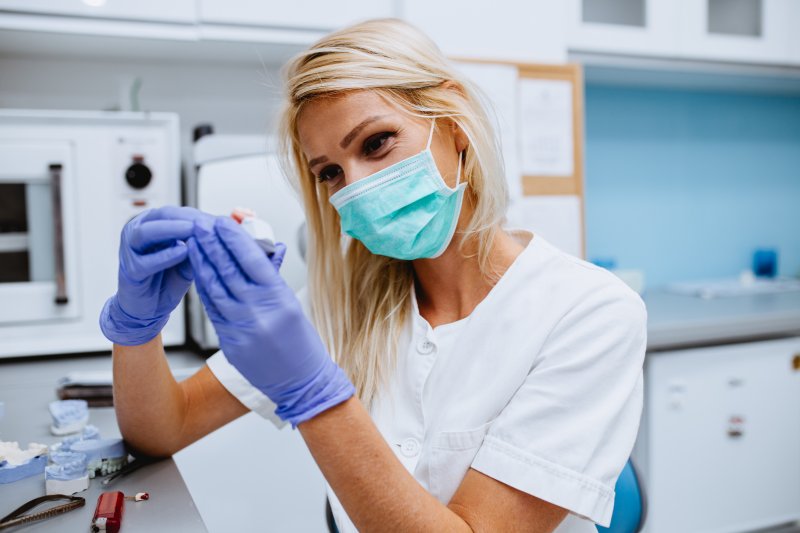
(457, 375)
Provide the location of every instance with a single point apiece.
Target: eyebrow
(355, 131)
(317, 161)
(347, 138)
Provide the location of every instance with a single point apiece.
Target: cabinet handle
(58, 234)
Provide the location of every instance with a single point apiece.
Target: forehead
(325, 120)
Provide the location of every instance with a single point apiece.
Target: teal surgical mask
(405, 211)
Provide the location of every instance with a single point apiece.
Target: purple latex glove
(261, 326)
(154, 274)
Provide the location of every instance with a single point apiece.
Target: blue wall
(686, 184)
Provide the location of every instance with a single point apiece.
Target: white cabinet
(718, 446)
(740, 31)
(181, 11)
(638, 27)
(744, 31)
(530, 31)
(295, 14)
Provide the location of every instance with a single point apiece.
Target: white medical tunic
(540, 387)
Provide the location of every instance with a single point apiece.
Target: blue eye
(329, 173)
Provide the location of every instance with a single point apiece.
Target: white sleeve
(569, 429)
(237, 384)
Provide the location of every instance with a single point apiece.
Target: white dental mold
(69, 416)
(67, 474)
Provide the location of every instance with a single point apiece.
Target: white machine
(235, 171)
(69, 181)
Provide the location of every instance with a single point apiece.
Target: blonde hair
(360, 301)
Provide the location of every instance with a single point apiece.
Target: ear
(461, 139)
(459, 136)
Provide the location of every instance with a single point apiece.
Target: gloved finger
(148, 234)
(184, 268)
(203, 274)
(228, 270)
(249, 256)
(278, 255)
(141, 266)
(174, 212)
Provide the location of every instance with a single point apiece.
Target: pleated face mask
(405, 211)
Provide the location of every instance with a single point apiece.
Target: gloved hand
(154, 274)
(261, 326)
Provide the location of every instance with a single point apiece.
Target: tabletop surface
(679, 320)
(26, 388)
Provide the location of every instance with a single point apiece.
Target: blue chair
(630, 503)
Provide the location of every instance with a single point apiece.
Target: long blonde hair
(360, 301)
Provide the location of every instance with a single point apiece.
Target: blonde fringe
(360, 302)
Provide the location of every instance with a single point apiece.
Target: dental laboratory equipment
(110, 509)
(67, 474)
(16, 463)
(69, 181)
(257, 228)
(103, 456)
(69, 416)
(90, 432)
(17, 517)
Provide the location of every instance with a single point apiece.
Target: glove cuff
(328, 387)
(121, 328)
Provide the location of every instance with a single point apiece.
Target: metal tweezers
(134, 465)
(18, 516)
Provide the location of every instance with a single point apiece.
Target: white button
(425, 347)
(410, 447)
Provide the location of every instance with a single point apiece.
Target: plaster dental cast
(447, 373)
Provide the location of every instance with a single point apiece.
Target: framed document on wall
(539, 111)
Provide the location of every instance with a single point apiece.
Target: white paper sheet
(546, 116)
(500, 85)
(557, 218)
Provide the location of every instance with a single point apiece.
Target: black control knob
(138, 174)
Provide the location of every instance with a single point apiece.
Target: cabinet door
(147, 10)
(793, 48)
(314, 14)
(639, 27)
(745, 31)
(530, 31)
(724, 434)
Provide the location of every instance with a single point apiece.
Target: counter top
(26, 388)
(676, 320)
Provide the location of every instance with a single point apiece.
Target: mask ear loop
(458, 172)
(428, 147)
(430, 135)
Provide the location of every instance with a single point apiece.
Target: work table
(676, 321)
(26, 388)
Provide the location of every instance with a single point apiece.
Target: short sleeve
(568, 431)
(237, 384)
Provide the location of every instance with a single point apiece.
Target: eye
(376, 142)
(328, 173)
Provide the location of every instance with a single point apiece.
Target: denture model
(103, 456)
(66, 474)
(16, 463)
(69, 416)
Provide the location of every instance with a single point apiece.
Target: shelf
(617, 69)
(74, 37)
